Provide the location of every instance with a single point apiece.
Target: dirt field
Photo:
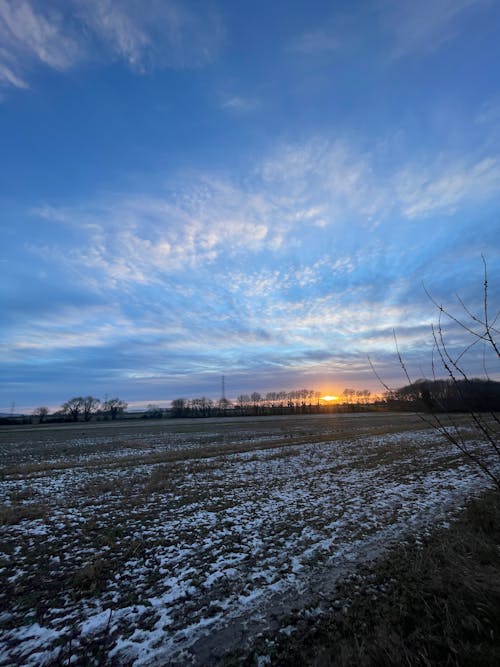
(172, 542)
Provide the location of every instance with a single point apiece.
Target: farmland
(173, 542)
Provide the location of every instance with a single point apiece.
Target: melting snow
(147, 559)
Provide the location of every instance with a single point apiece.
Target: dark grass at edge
(434, 603)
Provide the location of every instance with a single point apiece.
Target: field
(177, 541)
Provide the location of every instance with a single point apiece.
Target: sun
(329, 398)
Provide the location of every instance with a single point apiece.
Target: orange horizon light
(329, 398)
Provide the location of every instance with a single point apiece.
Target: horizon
(260, 192)
(165, 403)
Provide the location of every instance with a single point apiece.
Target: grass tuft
(13, 514)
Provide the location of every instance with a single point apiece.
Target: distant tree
(271, 398)
(201, 407)
(348, 395)
(243, 400)
(73, 407)
(256, 399)
(282, 396)
(303, 395)
(89, 406)
(207, 406)
(224, 404)
(41, 413)
(180, 407)
(114, 406)
(195, 405)
(153, 411)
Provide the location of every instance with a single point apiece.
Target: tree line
(297, 401)
(443, 395)
(84, 408)
(448, 395)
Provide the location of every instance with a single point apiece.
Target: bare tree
(224, 404)
(89, 406)
(256, 398)
(114, 406)
(242, 401)
(348, 395)
(153, 411)
(478, 436)
(180, 407)
(41, 413)
(73, 407)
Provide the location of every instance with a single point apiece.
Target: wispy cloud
(419, 28)
(320, 40)
(442, 187)
(239, 103)
(221, 272)
(29, 36)
(158, 34)
(62, 34)
(318, 185)
(489, 113)
(9, 78)
(138, 238)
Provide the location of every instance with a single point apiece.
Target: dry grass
(12, 514)
(436, 604)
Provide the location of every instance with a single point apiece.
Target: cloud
(423, 27)
(443, 187)
(139, 239)
(238, 103)
(112, 23)
(62, 34)
(9, 78)
(29, 36)
(324, 179)
(159, 34)
(237, 274)
(295, 198)
(320, 40)
(489, 113)
(325, 182)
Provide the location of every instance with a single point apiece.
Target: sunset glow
(329, 398)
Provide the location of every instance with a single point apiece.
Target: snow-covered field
(170, 543)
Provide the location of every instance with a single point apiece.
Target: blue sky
(255, 189)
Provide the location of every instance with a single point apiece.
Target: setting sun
(329, 398)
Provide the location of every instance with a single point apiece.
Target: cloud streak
(420, 28)
(295, 199)
(316, 41)
(62, 35)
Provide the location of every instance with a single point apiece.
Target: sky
(261, 190)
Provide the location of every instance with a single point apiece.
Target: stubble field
(177, 541)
